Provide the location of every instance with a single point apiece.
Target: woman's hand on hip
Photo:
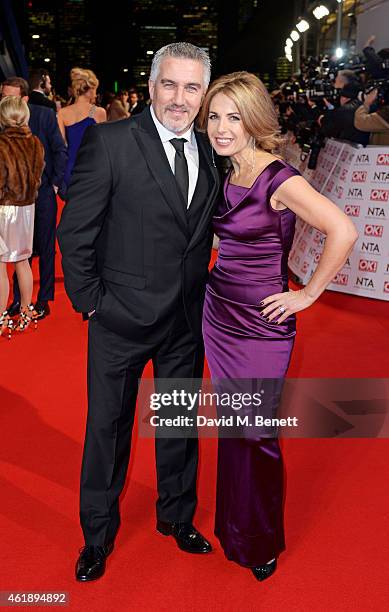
(282, 305)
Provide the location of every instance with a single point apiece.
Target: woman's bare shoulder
(100, 113)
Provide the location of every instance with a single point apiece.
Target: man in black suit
(40, 88)
(135, 237)
(136, 105)
(43, 123)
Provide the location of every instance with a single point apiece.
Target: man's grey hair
(348, 75)
(181, 50)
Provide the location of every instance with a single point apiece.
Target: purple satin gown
(255, 241)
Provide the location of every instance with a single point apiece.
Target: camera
(382, 85)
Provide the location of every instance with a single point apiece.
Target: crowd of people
(347, 99)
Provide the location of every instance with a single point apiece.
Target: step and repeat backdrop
(356, 180)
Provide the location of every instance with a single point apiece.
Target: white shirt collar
(166, 135)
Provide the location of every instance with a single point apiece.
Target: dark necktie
(181, 168)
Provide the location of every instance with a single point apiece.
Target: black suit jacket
(43, 123)
(128, 247)
(139, 108)
(40, 99)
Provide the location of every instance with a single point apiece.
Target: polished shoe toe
(91, 562)
(187, 537)
(43, 309)
(264, 571)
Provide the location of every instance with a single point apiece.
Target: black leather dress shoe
(43, 309)
(91, 562)
(14, 309)
(264, 571)
(186, 536)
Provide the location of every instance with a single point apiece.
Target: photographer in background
(377, 64)
(347, 78)
(377, 123)
(339, 123)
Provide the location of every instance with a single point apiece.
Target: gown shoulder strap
(282, 172)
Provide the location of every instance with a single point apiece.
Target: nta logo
(362, 158)
(363, 281)
(355, 192)
(381, 176)
(376, 211)
(370, 247)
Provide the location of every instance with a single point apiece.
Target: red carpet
(337, 508)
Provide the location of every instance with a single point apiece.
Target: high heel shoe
(6, 324)
(264, 571)
(27, 316)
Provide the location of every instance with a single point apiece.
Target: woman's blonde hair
(14, 112)
(75, 71)
(254, 105)
(83, 80)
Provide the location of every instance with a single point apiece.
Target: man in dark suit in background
(43, 123)
(136, 105)
(135, 236)
(40, 87)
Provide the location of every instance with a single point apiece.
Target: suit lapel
(152, 149)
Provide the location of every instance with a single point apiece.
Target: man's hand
(370, 98)
(370, 41)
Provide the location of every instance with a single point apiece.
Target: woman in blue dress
(74, 119)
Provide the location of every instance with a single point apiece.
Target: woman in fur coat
(21, 166)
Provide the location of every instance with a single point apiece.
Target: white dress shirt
(190, 151)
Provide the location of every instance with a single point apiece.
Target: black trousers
(114, 367)
(44, 244)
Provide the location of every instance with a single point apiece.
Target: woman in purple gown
(249, 311)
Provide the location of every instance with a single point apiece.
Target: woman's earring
(213, 156)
